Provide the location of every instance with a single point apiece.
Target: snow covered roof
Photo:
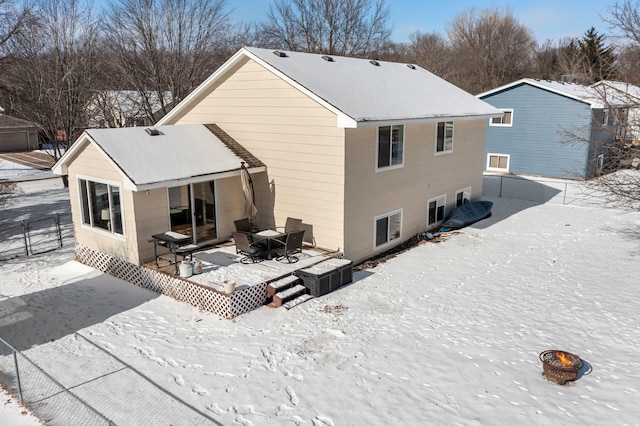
(176, 155)
(618, 93)
(361, 92)
(575, 91)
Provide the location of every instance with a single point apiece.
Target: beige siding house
(358, 149)
(128, 184)
(366, 153)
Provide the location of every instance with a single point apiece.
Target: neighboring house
(17, 134)
(625, 99)
(367, 153)
(125, 108)
(548, 128)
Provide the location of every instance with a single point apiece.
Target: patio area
(221, 263)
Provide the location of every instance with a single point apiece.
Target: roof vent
(152, 131)
(413, 67)
(376, 63)
(327, 58)
(279, 54)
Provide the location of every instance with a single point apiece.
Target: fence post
(24, 237)
(58, 229)
(15, 361)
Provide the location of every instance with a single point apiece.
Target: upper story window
(506, 120)
(390, 146)
(100, 203)
(444, 137)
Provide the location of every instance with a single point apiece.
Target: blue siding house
(548, 128)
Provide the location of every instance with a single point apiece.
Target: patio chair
(292, 224)
(291, 246)
(251, 250)
(243, 225)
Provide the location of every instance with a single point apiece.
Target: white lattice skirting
(204, 298)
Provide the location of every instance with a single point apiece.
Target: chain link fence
(44, 396)
(28, 238)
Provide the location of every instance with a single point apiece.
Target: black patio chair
(243, 225)
(252, 251)
(291, 246)
(292, 224)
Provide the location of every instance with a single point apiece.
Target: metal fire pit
(555, 371)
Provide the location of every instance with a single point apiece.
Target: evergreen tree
(599, 59)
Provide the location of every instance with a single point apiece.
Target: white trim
(377, 149)
(392, 242)
(535, 83)
(502, 123)
(193, 179)
(498, 169)
(61, 167)
(342, 120)
(441, 201)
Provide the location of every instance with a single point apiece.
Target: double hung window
(390, 146)
(444, 137)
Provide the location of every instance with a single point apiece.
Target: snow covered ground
(446, 333)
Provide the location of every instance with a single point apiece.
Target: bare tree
(338, 27)
(620, 182)
(52, 67)
(433, 53)
(12, 20)
(491, 46)
(165, 45)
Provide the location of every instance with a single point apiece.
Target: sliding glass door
(192, 210)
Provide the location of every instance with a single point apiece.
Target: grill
(560, 366)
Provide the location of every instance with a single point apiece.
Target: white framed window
(390, 153)
(387, 228)
(435, 212)
(100, 205)
(463, 196)
(505, 121)
(498, 162)
(444, 137)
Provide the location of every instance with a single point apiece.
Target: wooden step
(281, 284)
(298, 300)
(290, 293)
